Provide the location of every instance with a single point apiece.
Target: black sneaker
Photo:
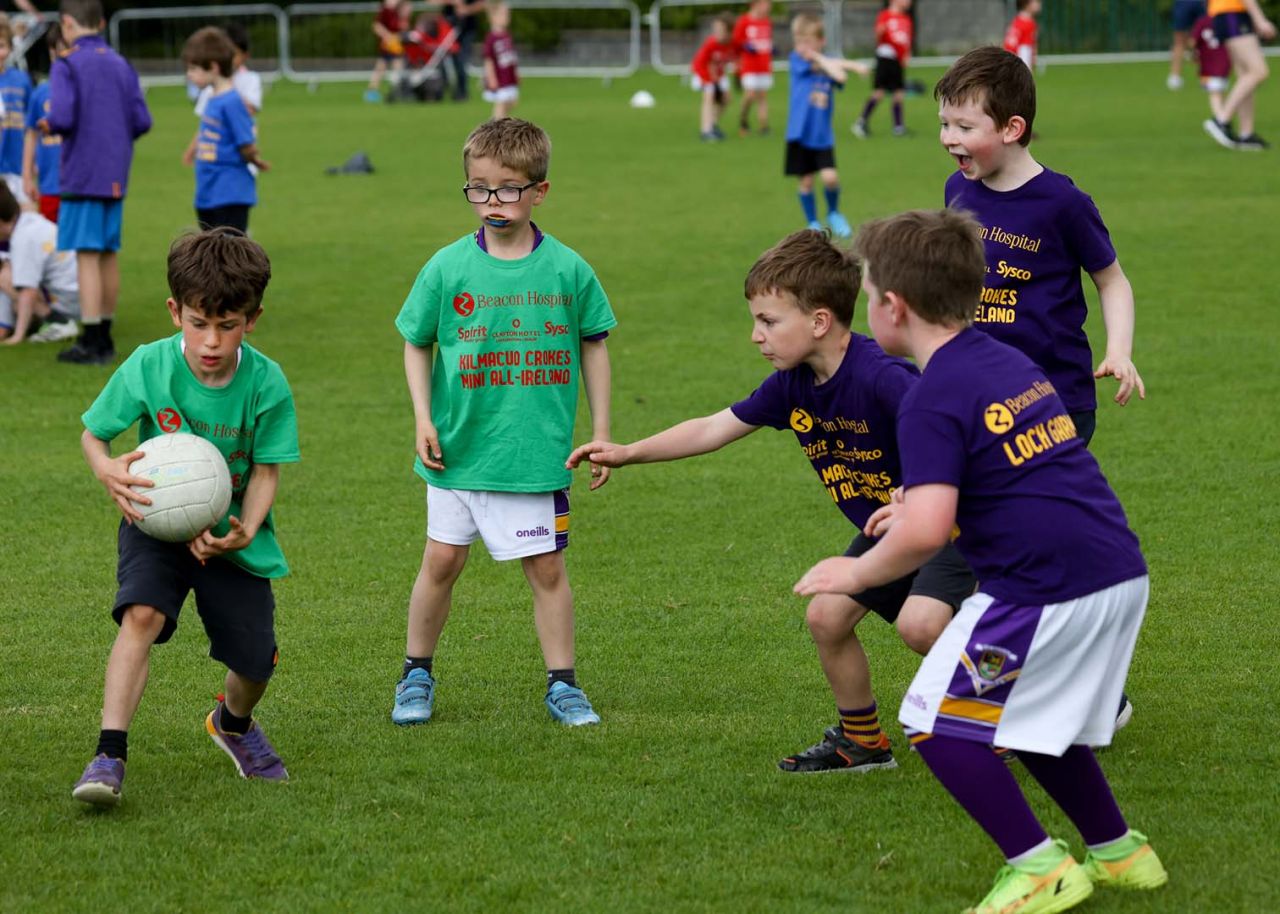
(837, 753)
(1252, 143)
(1125, 712)
(715, 128)
(80, 354)
(1222, 133)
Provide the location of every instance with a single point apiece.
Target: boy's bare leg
(552, 607)
(109, 270)
(129, 665)
(88, 265)
(762, 110)
(832, 620)
(707, 118)
(242, 695)
(432, 596)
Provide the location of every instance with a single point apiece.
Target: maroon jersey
(499, 48)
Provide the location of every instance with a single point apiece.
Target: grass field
(690, 643)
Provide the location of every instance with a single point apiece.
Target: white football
(643, 99)
(192, 488)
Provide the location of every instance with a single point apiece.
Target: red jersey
(1215, 60)
(499, 48)
(712, 60)
(1022, 34)
(893, 35)
(390, 20)
(753, 38)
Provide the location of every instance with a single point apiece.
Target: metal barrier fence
(152, 39)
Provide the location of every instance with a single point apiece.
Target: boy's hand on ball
(834, 575)
(1126, 373)
(206, 545)
(117, 479)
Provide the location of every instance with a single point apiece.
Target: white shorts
(502, 94)
(699, 86)
(761, 82)
(1029, 678)
(1215, 83)
(513, 525)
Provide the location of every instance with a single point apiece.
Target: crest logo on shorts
(992, 660)
(464, 304)
(995, 667)
(168, 420)
(998, 418)
(801, 421)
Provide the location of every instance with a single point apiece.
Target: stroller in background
(426, 48)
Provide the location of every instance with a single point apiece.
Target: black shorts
(889, 75)
(237, 608)
(235, 215)
(804, 160)
(1086, 423)
(946, 577)
(1231, 25)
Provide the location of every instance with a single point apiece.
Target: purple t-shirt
(846, 426)
(1038, 522)
(1038, 238)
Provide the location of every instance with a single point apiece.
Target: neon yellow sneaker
(1049, 882)
(1130, 863)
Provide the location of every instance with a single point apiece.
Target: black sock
(416, 663)
(114, 744)
(104, 339)
(229, 723)
(565, 676)
(57, 316)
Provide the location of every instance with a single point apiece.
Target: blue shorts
(1185, 14)
(1231, 25)
(89, 224)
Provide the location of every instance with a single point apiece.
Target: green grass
(690, 642)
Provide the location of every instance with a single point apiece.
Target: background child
(392, 21)
(204, 377)
(492, 433)
(810, 140)
(39, 293)
(226, 189)
(1214, 62)
(15, 93)
(1036, 660)
(839, 393)
(96, 105)
(501, 82)
(1240, 24)
(1020, 38)
(894, 30)
(1184, 13)
(753, 37)
(710, 69)
(42, 152)
(1040, 231)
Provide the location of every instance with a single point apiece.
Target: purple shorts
(1232, 25)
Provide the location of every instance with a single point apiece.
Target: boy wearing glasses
(497, 328)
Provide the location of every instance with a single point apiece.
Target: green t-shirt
(250, 421)
(504, 379)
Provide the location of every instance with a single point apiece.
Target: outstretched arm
(1116, 297)
(688, 439)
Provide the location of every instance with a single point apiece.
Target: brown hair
(9, 208)
(86, 13)
(808, 24)
(209, 48)
(513, 143)
(996, 79)
(812, 270)
(933, 259)
(221, 271)
(53, 38)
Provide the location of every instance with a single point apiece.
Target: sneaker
(860, 130)
(1173, 83)
(1125, 714)
(764, 131)
(839, 225)
(709, 136)
(715, 128)
(372, 95)
(837, 752)
(570, 706)
(901, 130)
(1252, 143)
(1139, 868)
(415, 698)
(1051, 881)
(816, 226)
(54, 331)
(100, 784)
(80, 354)
(253, 753)
(1222, 133)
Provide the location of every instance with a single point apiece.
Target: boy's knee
(921, 621)
(546, 570)
(832, 617)
(443, 562)
(141, 621)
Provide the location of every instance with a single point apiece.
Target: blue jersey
(222, 175)
(49, 146)
(809, 116)
(15, 90)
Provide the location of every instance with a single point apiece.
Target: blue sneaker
(839, 225)
(372, 95)
(101, 782)
(415, 698)
(570, 706)
(815, 226)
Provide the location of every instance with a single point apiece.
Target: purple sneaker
(253, 753)
(100, 784)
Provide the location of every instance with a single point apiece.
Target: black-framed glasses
(507, 193)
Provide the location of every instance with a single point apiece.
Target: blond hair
(513, 143)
